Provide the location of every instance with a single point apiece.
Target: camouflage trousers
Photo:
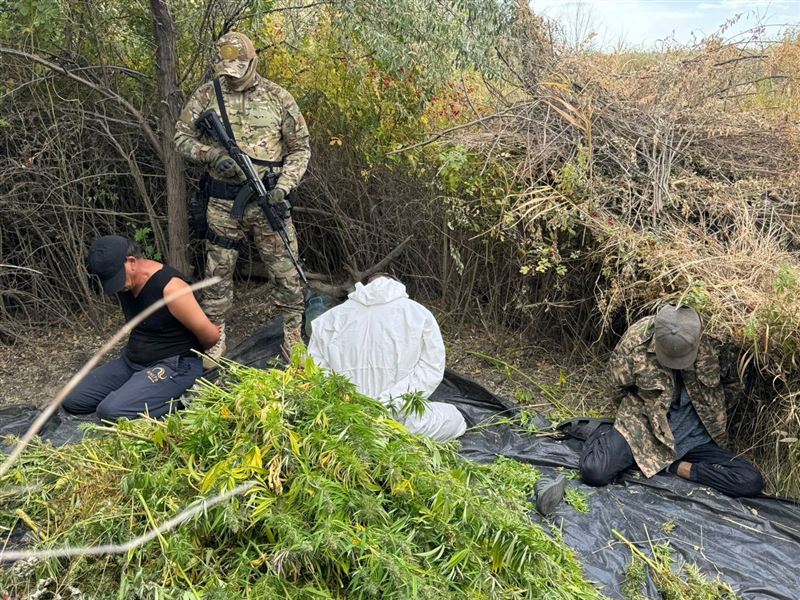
(221, 262)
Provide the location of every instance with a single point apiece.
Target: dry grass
(667, 177)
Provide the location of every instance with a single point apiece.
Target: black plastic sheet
(753, 544)
(62, 428)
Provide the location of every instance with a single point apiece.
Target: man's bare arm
(187, 310)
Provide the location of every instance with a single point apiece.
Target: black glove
(225, 167)
(277, 198)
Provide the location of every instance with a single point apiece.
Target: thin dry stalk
(201, 506)
(48, 412)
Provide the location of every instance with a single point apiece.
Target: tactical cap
(677, 335)
(107, 260)
(235, 51)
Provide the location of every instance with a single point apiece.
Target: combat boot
(216, 351)
(549, 493)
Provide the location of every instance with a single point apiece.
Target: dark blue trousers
(122, 388)
(606, 454)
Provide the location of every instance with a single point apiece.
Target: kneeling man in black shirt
(158, 363)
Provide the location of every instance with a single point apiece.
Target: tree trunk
(171, 101)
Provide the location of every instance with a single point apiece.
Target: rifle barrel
(298, 268)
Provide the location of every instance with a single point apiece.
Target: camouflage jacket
(265, 120)
(647, 391)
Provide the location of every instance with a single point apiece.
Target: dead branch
(752, 82)
(739, 59)
(140, 118)
(90, 364)
(443, 133)
(138, 178)
(2, 266)
(194, 509)
(262, 13)
(323, 282)
(359, 275)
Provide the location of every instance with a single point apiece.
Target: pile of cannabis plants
(342, 503)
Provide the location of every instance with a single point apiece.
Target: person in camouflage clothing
(672, 414)
(269, 127)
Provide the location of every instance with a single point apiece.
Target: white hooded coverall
(388, 345)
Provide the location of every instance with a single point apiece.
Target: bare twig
(740, 58)
(91, 363)
(359, 275)
(751, 82)
(183, 516)
(322, 283)
(261, 13)
(452, 129)
(138, 178)
(2, 266)
(140, 118)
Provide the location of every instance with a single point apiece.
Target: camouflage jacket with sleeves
(265, 121)
(647, 391)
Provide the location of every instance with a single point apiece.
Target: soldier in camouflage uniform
(268, 126)
(672, 413)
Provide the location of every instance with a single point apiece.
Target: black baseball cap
(107, 261)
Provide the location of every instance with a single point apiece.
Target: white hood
(387, 345)
(380, 291)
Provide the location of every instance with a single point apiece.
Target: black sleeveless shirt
(160, 335)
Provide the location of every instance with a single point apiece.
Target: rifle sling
(223, 113)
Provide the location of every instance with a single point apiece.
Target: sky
(645, 23)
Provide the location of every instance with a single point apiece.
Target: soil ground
(537, 374)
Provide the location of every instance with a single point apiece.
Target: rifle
(210, 124)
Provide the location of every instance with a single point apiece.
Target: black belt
(214, 188)
(220, 189)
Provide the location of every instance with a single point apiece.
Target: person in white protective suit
(388, 345)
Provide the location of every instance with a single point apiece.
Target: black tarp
(753, 544)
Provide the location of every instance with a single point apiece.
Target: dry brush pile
(588, 188)
(629, 180)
